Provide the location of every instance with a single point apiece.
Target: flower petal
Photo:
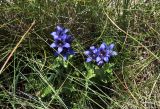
(55, 36)
(53, 45)
(98, 59)
(64, 37)
(89, 59)
(103, 45)
(106, 59)
(65, 57)
(92, 47)
(67, 45)
(100, 63)
(53, 33)
(66, 30)
(70, 51)
(95, 51)
(60, 49)
(87, 52)
(59, 28)
(111, 46)
(108, 53)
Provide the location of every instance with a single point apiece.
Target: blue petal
(87, 52)
(98, 59)
(71, 52)
(66, 30)
(53, 33)
(55, 36)
(106, 59)
(64, 36)
(89, 59)
(111, 46)
(103, 45)
(100, 63)
(59, 28)
(92, 47)
(65, 57)
(67, 45)
(108, 52)
(53, 45)
(95, 51)
(60, 49)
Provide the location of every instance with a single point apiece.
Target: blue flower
(60, 33)
(100, 55)
(62, 42)
(92, 53)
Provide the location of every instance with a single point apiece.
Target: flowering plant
(62, 42)
(62, 46)
(100, 55)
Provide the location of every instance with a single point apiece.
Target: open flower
(62, 42)
(91, 54)
(60, 45)
(60, 33)
(103, 54)
(100, 55)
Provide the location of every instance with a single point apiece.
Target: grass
(31, 77)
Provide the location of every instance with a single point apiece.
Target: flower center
(60, 43)
(59, 33)
(102, 53)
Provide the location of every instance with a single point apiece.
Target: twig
(15, 48)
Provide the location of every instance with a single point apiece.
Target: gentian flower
(100, 55)
(104, 53)
(60, 33)
(92, 53)
(62, 42)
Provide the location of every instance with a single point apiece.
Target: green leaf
(90, 71)
(46, 91)
(90, 74)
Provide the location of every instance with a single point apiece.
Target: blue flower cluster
(62, 42)
(62, 45)
(100, 55)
